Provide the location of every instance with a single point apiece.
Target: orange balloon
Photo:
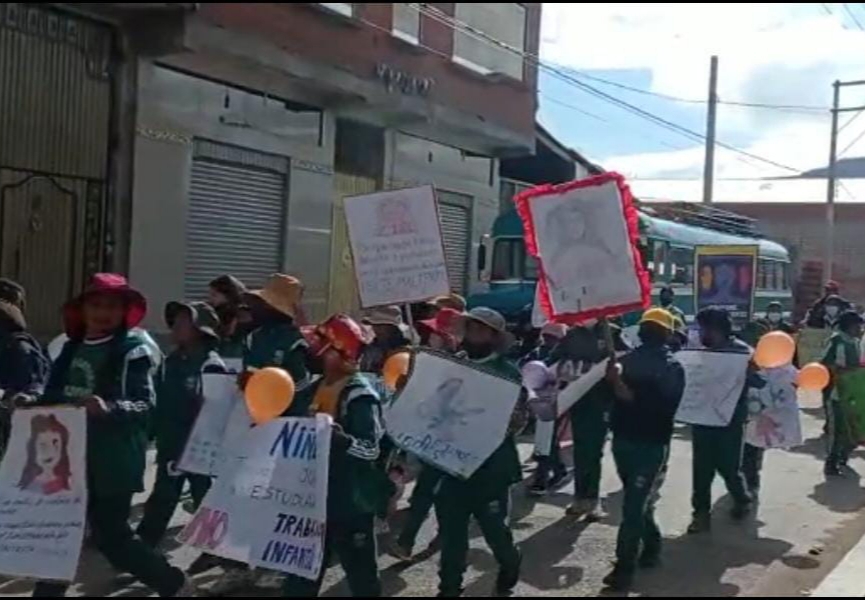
(269, 393)
(775, 349)
(395, 367)
(814, 377)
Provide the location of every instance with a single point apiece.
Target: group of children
(108, 367)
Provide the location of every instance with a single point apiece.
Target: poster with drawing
(396, 245)
(714, 382)
(43, 494)
(268, 508)
(726, 278)
(452, 414)
(774, 411)
(585, 235)
(224, 411)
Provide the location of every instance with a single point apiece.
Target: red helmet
(340, 332)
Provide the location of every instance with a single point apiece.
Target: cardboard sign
(811, 344)
(396, 245)
(726, 278)
(43, 494)
(452, 414)
(268, 508)
(585, 235)
(774, 409)
(714, 382)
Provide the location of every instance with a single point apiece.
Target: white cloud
(769, 53)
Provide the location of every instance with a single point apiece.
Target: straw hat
(282, 293)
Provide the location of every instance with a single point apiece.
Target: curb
(845, 580)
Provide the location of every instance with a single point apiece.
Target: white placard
(269, 507)
(775, 420)
(396, 246)
(578, 388)
(43, 494)
(451, 413)
(714, 382)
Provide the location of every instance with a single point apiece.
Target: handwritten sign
(714, 382)
(811, 344)
(43, 494)
(774, 411)
(268, 507)
(451, 413)
(396, 246)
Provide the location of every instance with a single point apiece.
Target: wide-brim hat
(13, 314)
(387, 316)
(100, 284)
(202, 315)
(282, 293)
(452, 301)
(340, 332)
(446, 322)
(490, 318)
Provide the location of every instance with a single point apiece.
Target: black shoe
(537, 490)
(620, 580)
(740, 512)
(831, 469)
(557, 480)
(650, 560)
(701, 523)
(508, 578)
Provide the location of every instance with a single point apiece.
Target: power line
(852, 16)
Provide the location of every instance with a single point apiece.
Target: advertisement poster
(726, 278)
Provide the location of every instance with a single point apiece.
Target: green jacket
(279, 345)
(356, 484)
(120, 372)
(179, 399)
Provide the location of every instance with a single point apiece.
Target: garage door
(237, 203)
(455, 218)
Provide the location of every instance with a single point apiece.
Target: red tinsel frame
(631, 219)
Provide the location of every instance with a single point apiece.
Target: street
(803, 528)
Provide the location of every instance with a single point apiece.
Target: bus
(669, 233)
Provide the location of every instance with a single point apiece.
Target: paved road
(803, 528)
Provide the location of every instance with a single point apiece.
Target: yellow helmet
(661, 317)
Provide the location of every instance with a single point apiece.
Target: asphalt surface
(803, 528)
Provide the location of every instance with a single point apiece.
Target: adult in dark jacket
(648, 385)
(824, 313)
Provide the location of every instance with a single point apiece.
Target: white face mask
(832, 311)
(774, 317)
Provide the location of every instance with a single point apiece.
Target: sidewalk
(846, 580)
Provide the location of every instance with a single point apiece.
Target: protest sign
(43, 494)
(714, 382)
(452, 414)
(268, 508)
(725, 278)
(585, 235)
(851, 394)
(223, 405)
(811, 344)
(774, 410)
(396, 245)
(578, 388)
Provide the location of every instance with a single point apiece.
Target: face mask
(774, 317)
(832, 311)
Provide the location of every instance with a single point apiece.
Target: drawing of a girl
(47, 471)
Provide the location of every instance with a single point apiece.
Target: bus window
(503, 260)
(783, 272)
(682, 265)
(763, 267)
(660, 259)
(531, 266)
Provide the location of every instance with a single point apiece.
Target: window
(406, 23)
(681, 265)
(764, 274)
(512, 262)
(783, 273)
(508, 190)
(532, 266)
(504, 22)
(345, 9)
(660, 261)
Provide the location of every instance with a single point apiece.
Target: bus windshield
(511, 263)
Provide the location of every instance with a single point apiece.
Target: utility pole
(711, 121)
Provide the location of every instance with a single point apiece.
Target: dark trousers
(109, 522)
(752, 466)
(456, 502)
(718, 450)
(590, 427)
(353, 541)
(552, 464)
(642, 468)
(164, 499)
(420, 505)
(840, 443)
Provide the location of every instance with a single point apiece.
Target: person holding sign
(648, 386)
(719, 449)
(354, 487)
(486, 494)
(178, 401)
(842, 354)
(107, 369)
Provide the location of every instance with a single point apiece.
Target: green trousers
(109, 523)
(840, 441)
(456, 503)
(642, 468)
(353, 541)
(718, 450)
(590, 427)
(420, 505)
(164, 499)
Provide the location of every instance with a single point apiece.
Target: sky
(769, 53)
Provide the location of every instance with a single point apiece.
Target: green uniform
(718, 450)
(178, 401)
(842, 352)
(355, 486)
(278, 345)
(118, 370)
(486, 497)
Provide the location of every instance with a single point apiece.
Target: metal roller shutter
(235, 224)
(455, 218)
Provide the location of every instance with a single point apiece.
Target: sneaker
(557, 480)
(831, 469)
(585, 508)
(740, 512)
(507, 579)
(702, 523)
(620, 580)
(235, 579)
(537, 490)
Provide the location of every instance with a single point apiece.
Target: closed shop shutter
(455, 218)
(236, 221)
